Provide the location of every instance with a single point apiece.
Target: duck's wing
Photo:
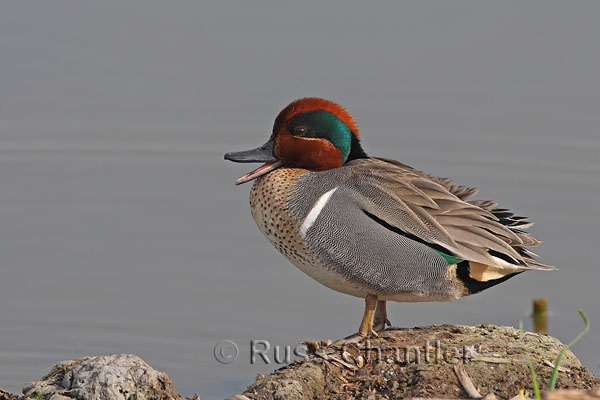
(460, 191)
(437, 212)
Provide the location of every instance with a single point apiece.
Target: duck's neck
(356, 150)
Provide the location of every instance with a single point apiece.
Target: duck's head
(310, 133)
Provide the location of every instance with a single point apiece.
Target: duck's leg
(380, 320)
(366, 326)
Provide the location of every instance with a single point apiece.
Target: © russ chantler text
(260, 351)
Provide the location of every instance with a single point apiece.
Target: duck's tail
(517, 225)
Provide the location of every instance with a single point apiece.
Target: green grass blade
(554, 376)
(536, 386)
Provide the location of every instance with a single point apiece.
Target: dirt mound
(424, 362)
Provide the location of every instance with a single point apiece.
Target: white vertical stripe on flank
(315, 211)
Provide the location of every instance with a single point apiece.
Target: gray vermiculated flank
(358, 248)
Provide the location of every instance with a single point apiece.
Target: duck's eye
(299, 130)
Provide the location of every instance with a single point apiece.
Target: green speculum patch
(449, 259)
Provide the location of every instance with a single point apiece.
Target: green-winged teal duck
(372, 227)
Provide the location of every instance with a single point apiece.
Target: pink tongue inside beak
(263, 169)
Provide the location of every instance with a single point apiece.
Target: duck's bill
(262, 170)
(263, 153)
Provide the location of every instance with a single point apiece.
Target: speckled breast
(269, 206)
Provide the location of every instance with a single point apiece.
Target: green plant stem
(554, 376)
(536, 386)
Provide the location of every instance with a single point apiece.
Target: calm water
(121, 229)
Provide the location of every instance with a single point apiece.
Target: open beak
(263, 153)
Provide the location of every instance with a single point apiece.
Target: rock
(573, 395)
(57, 396)
(420, 362)
(108, 377)
(4, 395)
(310, 384)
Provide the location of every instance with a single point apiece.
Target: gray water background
(121, 229)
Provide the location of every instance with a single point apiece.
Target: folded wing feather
(439, 212)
